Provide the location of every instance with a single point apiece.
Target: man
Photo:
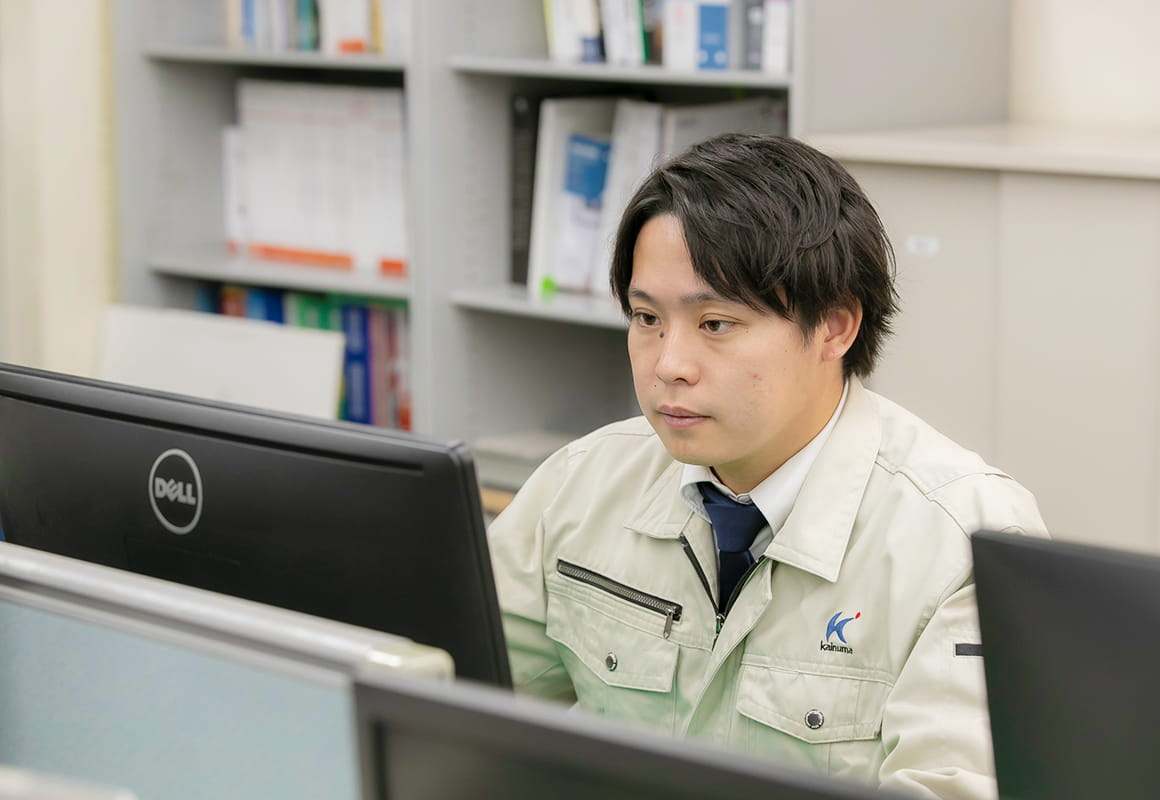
(843, 635)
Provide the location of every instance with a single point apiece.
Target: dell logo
(172, 490)
(175, 491)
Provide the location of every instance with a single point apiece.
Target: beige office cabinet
(940, 360)
(1031, 330)
(1078, 411)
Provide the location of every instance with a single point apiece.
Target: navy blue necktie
(736, 525)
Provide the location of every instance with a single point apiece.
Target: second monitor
(439, 741)
(358, 524)
(1071, 658)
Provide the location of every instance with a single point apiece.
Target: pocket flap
(618, 653)
(813, 708)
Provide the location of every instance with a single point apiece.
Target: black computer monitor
(1071, 651)
(367, 526)
(445, 741)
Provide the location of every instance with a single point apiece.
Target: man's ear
(839, 329)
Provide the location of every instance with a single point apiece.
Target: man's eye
(644, 318)
(717, 325)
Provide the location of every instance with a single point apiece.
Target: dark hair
(765, 218)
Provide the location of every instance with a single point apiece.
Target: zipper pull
(669, 622)
(720, 622)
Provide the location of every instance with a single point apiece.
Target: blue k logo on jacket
(838, 626)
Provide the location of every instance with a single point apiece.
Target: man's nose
(677, 360)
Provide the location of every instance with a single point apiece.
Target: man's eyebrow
(687, 300)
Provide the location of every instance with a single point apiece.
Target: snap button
(814, 719)
(610, 662)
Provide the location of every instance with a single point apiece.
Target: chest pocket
(841, 715)
(615, 649)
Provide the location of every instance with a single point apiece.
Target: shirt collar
(775, 495)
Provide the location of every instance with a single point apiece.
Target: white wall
(56, 220)
(1086, 63)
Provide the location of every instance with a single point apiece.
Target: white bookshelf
(219, 54)
(215, 263)
(486, 360)
(512, 299)
(650, 75)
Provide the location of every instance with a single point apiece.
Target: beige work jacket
(852, 647)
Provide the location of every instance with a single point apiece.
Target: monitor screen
(1071, 654)
(363, 525)
(445, 740)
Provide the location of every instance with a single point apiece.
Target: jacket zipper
(670, 610)
(740, 585)
(688, 548)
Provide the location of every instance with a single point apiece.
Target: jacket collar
(817, 532)
(661, 512)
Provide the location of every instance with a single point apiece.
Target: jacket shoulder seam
(930, 494)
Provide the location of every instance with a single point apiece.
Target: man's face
(723, 385)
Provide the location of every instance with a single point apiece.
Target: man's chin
(683, 450)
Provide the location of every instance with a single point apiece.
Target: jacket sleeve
(935, 727)
(516, 540)
(936, 730)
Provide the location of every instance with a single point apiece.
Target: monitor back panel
(1071, 644)
(285, 511)
(421, 740)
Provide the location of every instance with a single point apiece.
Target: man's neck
(827, 408)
